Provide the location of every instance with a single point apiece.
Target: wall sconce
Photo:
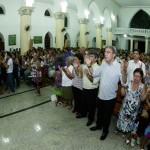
(27, 28)
(63, 29)
(102, 19)
(86, 33)
(113, 17)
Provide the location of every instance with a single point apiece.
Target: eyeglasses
(107, 52)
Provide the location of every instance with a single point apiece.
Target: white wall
(40, 25)
(10, 22)
(74, 26)
(91, 29)
(113, 9)
(127, 13)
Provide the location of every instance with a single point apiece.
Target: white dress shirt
(109, 74)
(132, 66)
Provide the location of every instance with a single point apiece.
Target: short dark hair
(93, 52)
(137, 50)
(139, 70)
(9, 54)
(80, 57)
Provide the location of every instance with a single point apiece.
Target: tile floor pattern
(47, 127)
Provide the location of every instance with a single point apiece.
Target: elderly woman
(67, 77)
(134, 94)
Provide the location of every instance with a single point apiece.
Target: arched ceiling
(71, 3)
(79, 5)
(123, 3)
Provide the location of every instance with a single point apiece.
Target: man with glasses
(90, 88)
(110, 73)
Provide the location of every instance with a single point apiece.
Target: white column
(99, 35)
(83, 29)
(59, 41)
(25, 28)
(146, 44)
(135, 44)
(131, 44)
(109, 37)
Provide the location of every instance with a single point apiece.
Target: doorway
(94, 42)
(141, 46)
(66, 40)
(2, 44)
(47, 41)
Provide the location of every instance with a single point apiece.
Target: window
(1, 10)
(140, 20)
(47, 13)
(66, 21)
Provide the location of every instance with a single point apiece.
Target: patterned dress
(130, 108)
(147, 77)
(58, 81)
(36, 74)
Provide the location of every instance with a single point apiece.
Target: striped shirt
(77, 81)
(110, 75)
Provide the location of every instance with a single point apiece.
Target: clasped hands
(88, 63)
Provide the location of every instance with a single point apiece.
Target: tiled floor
(47, 127)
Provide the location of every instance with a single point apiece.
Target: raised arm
(123, 71)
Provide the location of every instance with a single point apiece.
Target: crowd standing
(87, 80)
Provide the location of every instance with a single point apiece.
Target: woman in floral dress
(135, 93)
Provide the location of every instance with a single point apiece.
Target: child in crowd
(58, 83)
(16, 72)
(36, 74)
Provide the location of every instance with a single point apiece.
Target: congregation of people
(86, 82)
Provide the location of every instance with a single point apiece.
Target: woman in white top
(67, 82)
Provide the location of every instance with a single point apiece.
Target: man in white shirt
(90, 88)
(133, 64)
(110, 73)
(9, 69)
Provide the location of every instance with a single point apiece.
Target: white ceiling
(71, 3)
(44, 1)
(123, 3)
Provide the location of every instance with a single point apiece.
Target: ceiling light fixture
(102, 19)
(64, 6)
(29, 3)
(86, 13)
(125, 35)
